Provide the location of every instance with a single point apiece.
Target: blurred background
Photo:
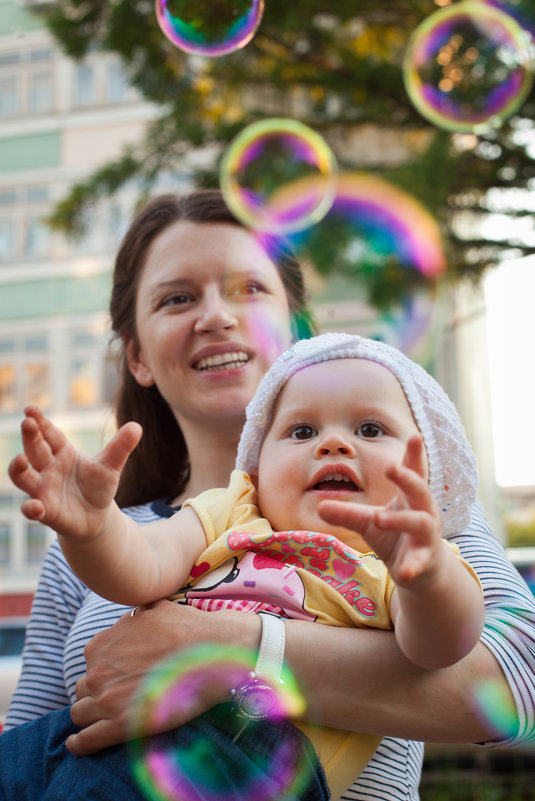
(99, 110)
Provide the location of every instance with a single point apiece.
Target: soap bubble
(406, 326)
(279, 176)
(494, 707)
(523, 11)
(209, 27)
(186, 765)
(388, 246)
(381, 225)
(468, 67)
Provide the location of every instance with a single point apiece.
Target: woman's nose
(215, 314)
(334, 442)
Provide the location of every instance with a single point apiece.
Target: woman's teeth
(223, 361)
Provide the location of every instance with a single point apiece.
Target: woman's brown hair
(159, 466)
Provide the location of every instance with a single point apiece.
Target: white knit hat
(452, 466)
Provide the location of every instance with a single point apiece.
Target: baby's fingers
(414, 488)
(23, 475)
(419, 525)
(355, 517)
(119, 448)
(41, 439)
(33, 509)
(415, 457)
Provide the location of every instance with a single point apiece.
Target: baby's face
(337, 426)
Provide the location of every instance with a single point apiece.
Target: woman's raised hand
(69, 491)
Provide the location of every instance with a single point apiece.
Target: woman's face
(212, 315)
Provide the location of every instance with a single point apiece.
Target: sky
(510, 299)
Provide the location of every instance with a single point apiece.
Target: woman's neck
(212, 457)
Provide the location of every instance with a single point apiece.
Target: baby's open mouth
(337, 481)
(223, 361)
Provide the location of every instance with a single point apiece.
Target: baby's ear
(254, 479)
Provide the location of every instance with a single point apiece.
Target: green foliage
(520, 533)
(336, 67)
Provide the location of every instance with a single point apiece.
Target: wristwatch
(257, 698)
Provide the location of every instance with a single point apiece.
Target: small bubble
(468, 67)
(278, 176)
(209, 27)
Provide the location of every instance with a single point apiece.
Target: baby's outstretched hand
(69, 492)
(405, 533)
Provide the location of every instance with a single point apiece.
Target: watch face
(255, 701)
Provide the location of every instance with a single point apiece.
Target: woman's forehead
(188, 245)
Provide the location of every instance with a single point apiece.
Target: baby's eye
(370, 431)
(302, 432)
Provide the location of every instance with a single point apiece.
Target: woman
(187, 329)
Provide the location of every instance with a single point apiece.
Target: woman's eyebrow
(172, 283)
(244, 272)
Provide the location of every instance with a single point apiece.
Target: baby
(352, 469)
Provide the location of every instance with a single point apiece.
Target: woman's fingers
(102, 734)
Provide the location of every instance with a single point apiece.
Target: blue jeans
(36, 766)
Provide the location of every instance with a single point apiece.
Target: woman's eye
(248, 288)
(302, 432)
(177, 299)
(370, 431)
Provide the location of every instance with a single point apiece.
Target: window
(8, 197)
(9, 95)
(8, 244)
(37, 194)
(8, 388)
(41, 93)
(43, 54)
(5, 543)
(36, 542)
(84, 86)
(60, 368)
(37, 384)
(117, 87)
(26, 82)
(83, 382)
(37, 237)
(85, 367)
(25, 372)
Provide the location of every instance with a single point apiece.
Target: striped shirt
(66, 615)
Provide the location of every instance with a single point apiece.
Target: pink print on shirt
(265, 577)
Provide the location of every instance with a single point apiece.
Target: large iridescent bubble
(468, 67)
(386, 224)
(523, 11)
(278, 176)
(209, 27)
(184, 767)
(387, 247)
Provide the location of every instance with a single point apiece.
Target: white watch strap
(271, 653)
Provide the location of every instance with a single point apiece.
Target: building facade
(59, 119)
